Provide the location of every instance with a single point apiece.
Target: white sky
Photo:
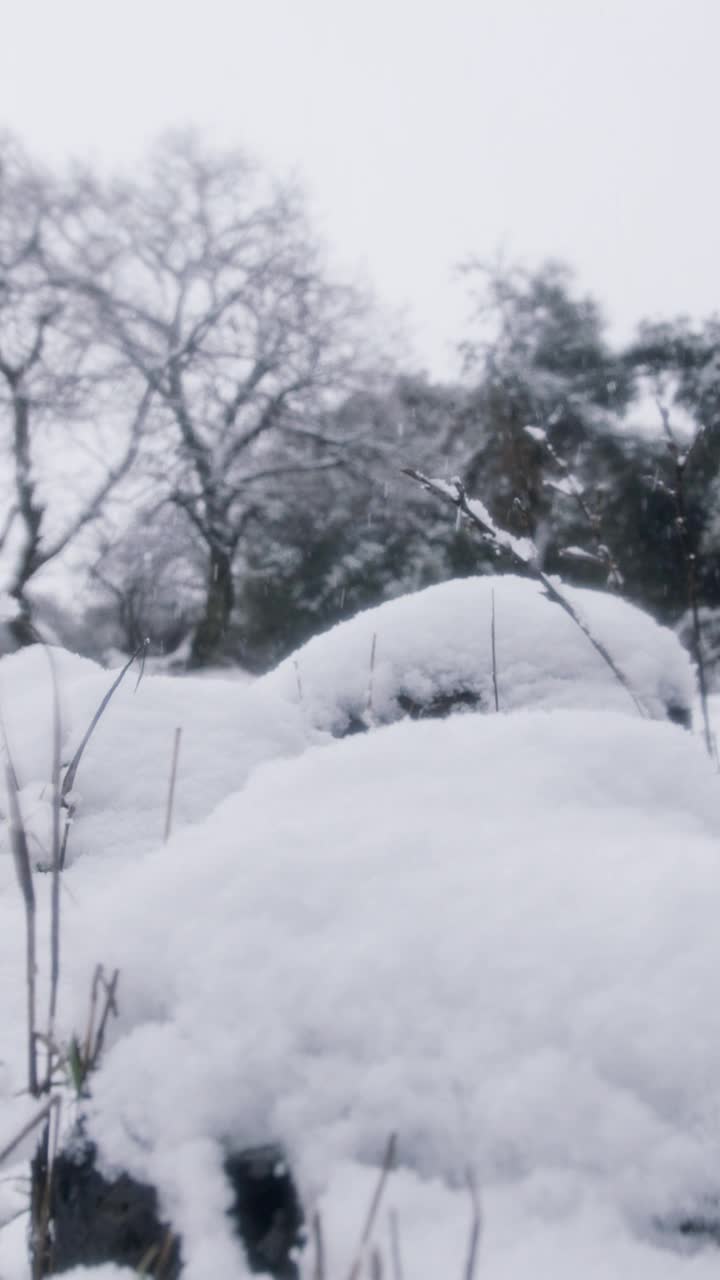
(425, 130)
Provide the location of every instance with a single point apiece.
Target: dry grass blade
(371, 681)
(319, 1247)
(387, 1167)
(55, 865)
(395, 1252)
(376, 1265)
(28, 1128)
(171, 785)
(494, 651)
(298, 680)
(109, 1006)
(23, 869)
(98, 978)
(69, 779)
(475, 1228)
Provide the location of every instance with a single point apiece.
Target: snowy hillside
(494, 935)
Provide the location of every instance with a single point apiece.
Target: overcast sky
(425, 130)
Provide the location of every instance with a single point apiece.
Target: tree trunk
(21, 625)
(210, 632)
(30, 512)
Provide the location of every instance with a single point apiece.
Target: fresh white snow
(495, 935)
(438, 642)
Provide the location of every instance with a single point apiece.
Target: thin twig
(298, 680)
(457, 497)
(23, 870)
(371, 681)
(110, 1006)
(55, 866)
(492, 646)
(27, 1129)
(475, 1227)
(376, 1265)
(98, 977)
(395, 1252)
(385, 1171)
(171, 785)
(69, 779)
(319, 1245)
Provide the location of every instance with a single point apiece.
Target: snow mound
(121, 788)
(495, 935)
(433, 653)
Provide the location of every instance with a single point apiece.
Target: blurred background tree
(205, 431)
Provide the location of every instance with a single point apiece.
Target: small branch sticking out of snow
(171, 785)
(42, 1115)
(369, 716)
(395, 1252)
(388, 1165)
(21, 858)
(475, 1227)
(494, 652)
(298, 680)
(319, 1244)
(69, 779)
(454, 493)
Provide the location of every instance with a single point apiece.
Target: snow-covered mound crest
(493, 934)
(431, 653)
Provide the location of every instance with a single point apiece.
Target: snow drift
(432, 651)
(495, 935)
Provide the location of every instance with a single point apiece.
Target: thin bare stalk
(98, 977)
(385, 1171)
(298, 680)
(376, 1265)
(475, 1228)
(55, 868)
(28, 1128)
(23, 870)
(109, 1006)
(319, 1247)
(171, 785)
(395, 1251)
(493, 650)
(69, 779)
(454, 494)
(369, 714)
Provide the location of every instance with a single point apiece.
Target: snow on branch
(521, 552)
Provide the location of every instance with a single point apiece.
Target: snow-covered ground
(493, 935)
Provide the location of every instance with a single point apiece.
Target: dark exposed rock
(95, 1220)
(691, 1229)
(441, 705)
(436, 707)
(678, 714)
(266, 1210)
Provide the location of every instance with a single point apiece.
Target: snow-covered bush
(495, 935)
(432, 652)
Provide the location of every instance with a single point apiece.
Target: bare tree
(217, 296)
(56, 377)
